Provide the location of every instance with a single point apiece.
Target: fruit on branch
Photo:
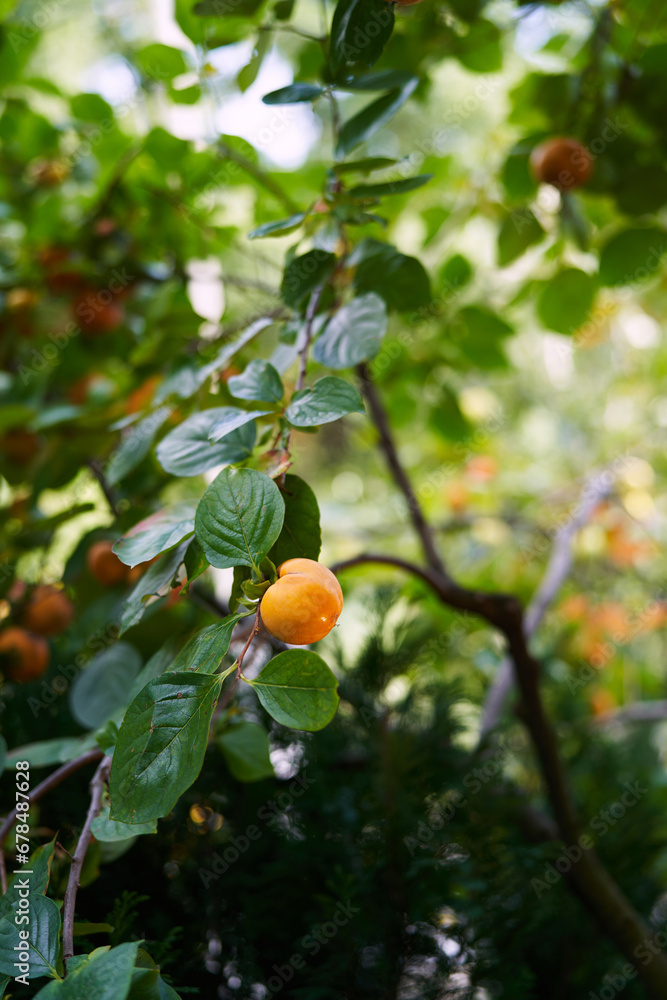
(19, 445)
(304, 603)
(48, 612)
(105, 565)
(96, 311)
(23, 657)
(563, 163)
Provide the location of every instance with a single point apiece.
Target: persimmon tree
(163, 575)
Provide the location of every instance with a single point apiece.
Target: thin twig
(69, 902)
(106, 489)
(52, 781)
(381, 421)
(229, 693)
(557, 571)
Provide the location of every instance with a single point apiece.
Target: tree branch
(558, 568)
(380, 419)
(69, 903)
(52, 781)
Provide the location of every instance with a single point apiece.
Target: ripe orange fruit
(95, 312)
(105, 565)
(304, 603)
(48, 612)
(141, 397)
(23, 657)
(19, 445)
(563, 163)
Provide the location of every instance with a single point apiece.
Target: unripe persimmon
(304, 603)
(563, 163)
(105, 565)
(23, 657)
(48, 612)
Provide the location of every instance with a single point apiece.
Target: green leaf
(156, 534)
(281, 228)
(365, 166)
(384, 79)
(294, 94)
(230, 419)
(478, 333)
(456, 273)
(566, 300)
(260, 381)
(161, 62)
(359, 31)
(354, 334)
(227, 8)
(303, 274)
(105, 974)
(205, 651)
(328, 400)
(103, 686)
(147, 984)
(42, 942)
(196, 563)
(161, 745)
(135, 445)
(39, 868)
(372, 118)
(247, 76)
(48, 752)
(401, 281)
(188, 451)
(301, 536)
(239, 518)
(108, 830)
(90, 107)
(632, 256)
(389, 187)
(298, 690)
(158, 576)
(518, 231)
(241, 575)
(246, 750)
(481, 49)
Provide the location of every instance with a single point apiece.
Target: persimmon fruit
(23, 657)
(105, 565)
(19, 445)
(48, 612)
(94, 314)
(564, 163)
(304, 603)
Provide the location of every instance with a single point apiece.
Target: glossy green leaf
(188, 450)
(260, 381)
(155, 579)
(245, 746)
(359, 31)
(239, 518)
(298, 690)
(281, 228)
(329, 399)
(303, 274)
(156, 534)
(364, 166)
(48, 752)
(108, 830)
(400, 280)
(296, 93)
(354, 334)
(387, 188)
(161, 745)
(205, 651)
(105, 974)
(196, 563)
(42, 942)
(38, 874)
(104, 684)
(231, 419)
(479, 334)
(135, 445)
(301, 536)
(372, 118)
(161, 62)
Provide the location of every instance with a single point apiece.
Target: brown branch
(69, 902)
(381, 421)
(558, 568)
(588, 877)
(52, 781)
